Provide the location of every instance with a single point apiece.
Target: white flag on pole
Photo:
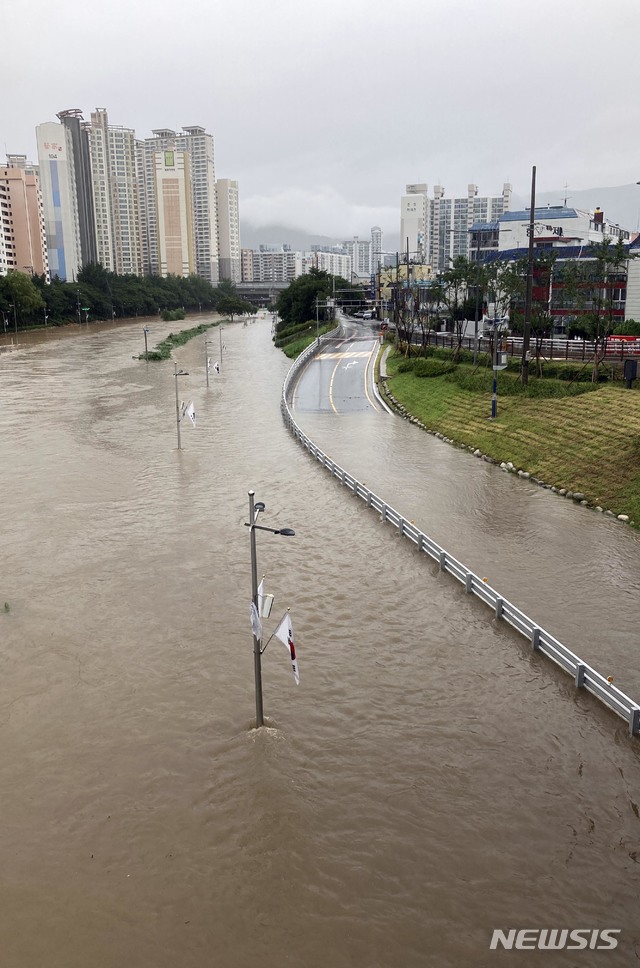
(260, 597)
(208, 363)
(216, 366)
(256, 624)
(190, 412)
(284, 632)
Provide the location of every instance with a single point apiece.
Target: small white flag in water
(284, 632)
(256, 624)
(190, 412)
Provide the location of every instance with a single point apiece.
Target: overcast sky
(323, 111)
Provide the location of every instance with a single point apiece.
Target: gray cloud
(323, 112)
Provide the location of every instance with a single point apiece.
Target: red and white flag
(285, 634)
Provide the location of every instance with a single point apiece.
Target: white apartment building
(228, 229)
(436, 230)
(199, 145)
(60, 200)
(359, 252)
(114, 179)
(335, 263)
(276, 265)
(376, 248)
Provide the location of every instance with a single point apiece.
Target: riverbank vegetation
(307, 307)
(164, 349)
(563, 429)
(29, 301)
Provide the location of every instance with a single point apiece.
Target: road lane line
(335, 370)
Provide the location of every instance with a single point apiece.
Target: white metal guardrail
(585, 677)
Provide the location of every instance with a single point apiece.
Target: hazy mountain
(299, 240)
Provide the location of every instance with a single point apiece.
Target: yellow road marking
(340, 356)
(366, 374)
(335, 370)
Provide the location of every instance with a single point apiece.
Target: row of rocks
(507, 466)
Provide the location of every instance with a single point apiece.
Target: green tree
(595, 286)
(20, 295)
(297, 303)
(629, 328)
(234, 306)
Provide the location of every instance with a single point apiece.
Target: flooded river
(429, 780)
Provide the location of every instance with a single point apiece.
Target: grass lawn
(588, 443)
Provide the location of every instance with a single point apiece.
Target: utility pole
(476, 313)
(526, 334)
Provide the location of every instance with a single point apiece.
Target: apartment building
(276, 265)
(246, 265)
(335, 263)
(114, 181)
(174, 217)
(436, 230)
(195, 142)
(22, 228)
(60, 199)
(228, 229)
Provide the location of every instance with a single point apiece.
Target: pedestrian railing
(585, 677)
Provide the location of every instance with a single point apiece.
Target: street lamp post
(255, 507)
(15, 318)
(78, 307)
(46, 314)
(207, 344)
(177, 373)
(499, 363)
(145, 330)
(220, 334)
(4, 319)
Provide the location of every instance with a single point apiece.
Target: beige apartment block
(174, 222)
(24, 246)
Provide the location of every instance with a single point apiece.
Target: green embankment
(576, 436)
(163, 349)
